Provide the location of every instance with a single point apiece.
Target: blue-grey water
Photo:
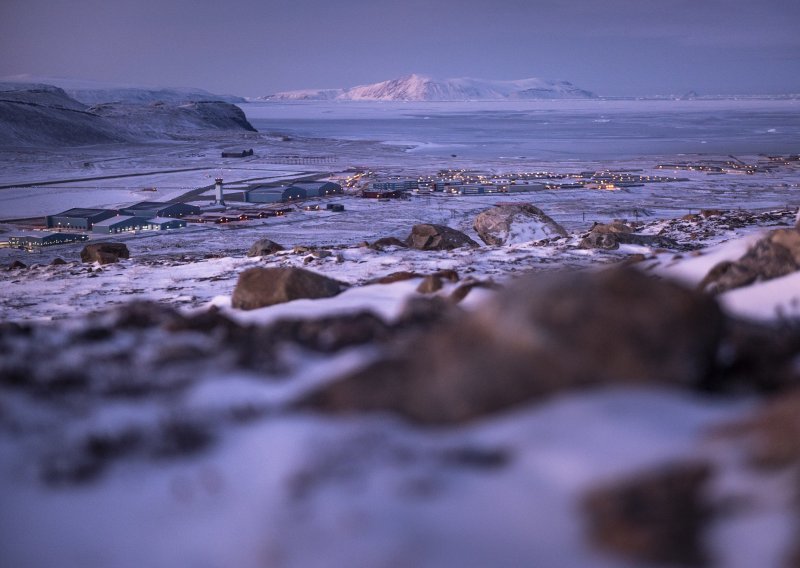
(550, 129)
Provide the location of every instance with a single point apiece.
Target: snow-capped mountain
(424, 88)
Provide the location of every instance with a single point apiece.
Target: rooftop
(147, 205)
(113, 220)
(81, 212)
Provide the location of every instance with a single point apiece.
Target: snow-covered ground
(143, 445)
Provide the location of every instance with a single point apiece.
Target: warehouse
(319, 188)
(120, 224)
(164, 223)
(30, 242)
(274, 194)
(151, 209)
(78, 218)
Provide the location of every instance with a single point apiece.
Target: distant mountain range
(423, 88)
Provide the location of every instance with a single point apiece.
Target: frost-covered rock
(515, 224)
(776, 255)
(104, 253)
(610, 236)
(426, 236)
(264, 247)
(261, 287)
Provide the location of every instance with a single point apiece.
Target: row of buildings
(146, 215)
(293, 192)
(162, 216)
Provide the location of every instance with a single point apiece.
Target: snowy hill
(158, 120)
(44, 115)
(424, 88)
(93, 92)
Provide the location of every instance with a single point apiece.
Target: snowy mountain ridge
(94, 92)
(424, 88)
(39, 115)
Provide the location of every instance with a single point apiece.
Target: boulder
(104, 253)
(264, 247)
(610, 236)
(658, 517)
(510, 224)
(775, 255)
(544, 334)
(261, 287)
(426, 236)
(57, 261)
(17, 265)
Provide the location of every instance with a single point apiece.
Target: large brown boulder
(261, 287)
(426, 236)
(509, 224)
(544, 334)
(104, 253)
(776, 255)
(264, 247)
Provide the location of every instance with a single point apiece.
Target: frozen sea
(547, 130)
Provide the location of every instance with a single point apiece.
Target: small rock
(430, 284)
(104, 253)
(261, 287)
(447, 274)
(395, 277)
(657, 517)
(57, 261)
(437, 237)
(264, 247)
(386, 242)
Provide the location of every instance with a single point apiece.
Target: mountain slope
(93, 92)
(423, 88)
(42, 115)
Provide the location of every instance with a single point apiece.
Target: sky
(258, 47)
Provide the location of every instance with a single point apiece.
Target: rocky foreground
(612, 417)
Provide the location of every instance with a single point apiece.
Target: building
(395, 185)
(120, 224)
(164, 223)
(379, 194)
(319, 188)
(238, 154)
(78, 218)
(151, 209)
(274, 194)
(522, 187)
(30, 242)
